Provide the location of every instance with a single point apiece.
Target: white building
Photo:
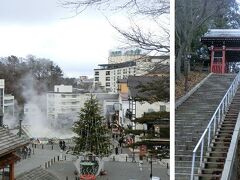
(107, 75)
(63, 106)
(128, 91)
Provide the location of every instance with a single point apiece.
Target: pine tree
(93, 135)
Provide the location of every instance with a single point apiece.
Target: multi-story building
(107, 75)
(63, 106)
(120, 56)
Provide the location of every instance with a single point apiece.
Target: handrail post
(209, 134)
(201, 153)
(193, 164)
(214, 125)
(219, 115)
(222, 108)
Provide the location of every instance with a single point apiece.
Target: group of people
(26, 152)
(62, 145)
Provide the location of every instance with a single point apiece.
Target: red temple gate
(224, 47)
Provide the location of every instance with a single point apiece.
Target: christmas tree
(92, 133)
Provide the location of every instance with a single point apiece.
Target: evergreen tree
(149, 137)
(93, 135)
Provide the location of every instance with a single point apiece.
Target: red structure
(224, 47)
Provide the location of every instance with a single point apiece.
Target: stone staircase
(192, 117)
(214, 163)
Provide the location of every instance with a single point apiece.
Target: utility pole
(151, 167)
(1, 117)
(186, 71)
(20, 122)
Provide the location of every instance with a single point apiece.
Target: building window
(107, 72)
(107, 78)
(96, 78)
(96, 73)
(63, 96)
(107, 84)
(125, 76)
(162, 108)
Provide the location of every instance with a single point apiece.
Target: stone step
(208, 176)
(185, 163)
(192, 118)
(212, 171)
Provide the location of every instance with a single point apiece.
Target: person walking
(60, 144)
(63, 145)
(29, 152)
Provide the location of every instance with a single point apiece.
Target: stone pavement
(127, 171)
(37, 159)
(116, 170)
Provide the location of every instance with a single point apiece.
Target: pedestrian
(116, 150)
(63, 145)
(29, 152)
(60, 144)
(25, 151)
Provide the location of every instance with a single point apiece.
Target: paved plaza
(116, 170)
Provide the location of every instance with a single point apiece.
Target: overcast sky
(44, 29)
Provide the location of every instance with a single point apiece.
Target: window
(107, 84)
(107, 78)
(162, 108)
(107, 72)
(96, 72)
(74, 96)
(96, 78)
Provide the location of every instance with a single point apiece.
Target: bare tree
(190, 16)
(135, 36)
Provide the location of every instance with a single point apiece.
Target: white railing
(212, 126)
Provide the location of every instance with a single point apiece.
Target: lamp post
(151, 167)
(1, 117)
(20, 123)
(186, 69)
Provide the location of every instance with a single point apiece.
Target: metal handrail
(214, 122)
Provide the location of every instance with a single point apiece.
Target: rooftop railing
(208, 134)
